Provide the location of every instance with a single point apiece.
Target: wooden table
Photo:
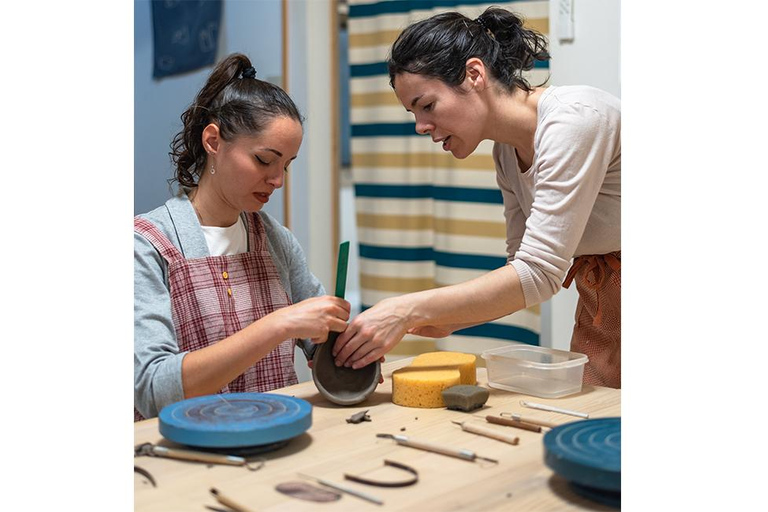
(333, 447)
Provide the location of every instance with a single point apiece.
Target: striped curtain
(425, 219)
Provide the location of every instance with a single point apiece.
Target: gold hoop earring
(213, 171)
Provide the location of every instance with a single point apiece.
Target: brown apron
(597, 332)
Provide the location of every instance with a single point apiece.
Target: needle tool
(549, 408)
(341, 488)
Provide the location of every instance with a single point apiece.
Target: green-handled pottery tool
(341, 285)
(339, 384)
(341, 269)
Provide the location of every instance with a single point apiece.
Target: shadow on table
(563, 489)
(376, 398)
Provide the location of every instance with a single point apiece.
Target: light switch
(565, 20)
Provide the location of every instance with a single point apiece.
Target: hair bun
(249, 72)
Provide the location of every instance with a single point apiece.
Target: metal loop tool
(154, 450)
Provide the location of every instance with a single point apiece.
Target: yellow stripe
(396, 284)
(381, 38)
(427, 222)
(374, 99)
(540, 25)
(428, 160)
(471, 228)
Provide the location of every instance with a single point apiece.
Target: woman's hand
(371, 334)
(314, 318)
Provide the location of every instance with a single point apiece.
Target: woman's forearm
(206, 371)
(485, 298)
(377, 330)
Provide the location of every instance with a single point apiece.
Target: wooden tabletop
(333, 447)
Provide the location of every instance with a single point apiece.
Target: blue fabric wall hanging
(185, 35)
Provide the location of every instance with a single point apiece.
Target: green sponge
(464, 397)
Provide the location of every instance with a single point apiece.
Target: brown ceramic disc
(308, 492)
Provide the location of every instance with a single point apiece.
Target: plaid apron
(597, 332)
(217, 296)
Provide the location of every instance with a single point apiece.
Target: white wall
(591, 58)
(309, 84)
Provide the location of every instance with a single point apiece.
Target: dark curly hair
(440, 46)
(237, 102)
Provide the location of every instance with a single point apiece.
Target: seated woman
(222, 292)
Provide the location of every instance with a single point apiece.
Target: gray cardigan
(156, 355)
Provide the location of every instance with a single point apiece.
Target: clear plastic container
(535, 371)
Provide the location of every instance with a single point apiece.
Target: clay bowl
(341, 385)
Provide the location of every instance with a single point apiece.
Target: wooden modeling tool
(193, 456)
(533, 421)
(228, 502)
(487, 432)
(507, 422)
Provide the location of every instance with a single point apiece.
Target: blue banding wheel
(235, 420)
(588, 455)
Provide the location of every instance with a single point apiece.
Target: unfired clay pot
(341, 385)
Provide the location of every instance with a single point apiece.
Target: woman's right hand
(314, 318)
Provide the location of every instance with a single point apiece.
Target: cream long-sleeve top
(568, 203)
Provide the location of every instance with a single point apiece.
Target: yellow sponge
(414, 387)
(465, 363)
(421, 384)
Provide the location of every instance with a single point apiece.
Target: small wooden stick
(228, 502)
(488, 432)
(513, 423)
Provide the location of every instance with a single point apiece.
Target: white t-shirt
(568, 203)
(226, 241)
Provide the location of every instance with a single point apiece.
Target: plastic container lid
(531, 356)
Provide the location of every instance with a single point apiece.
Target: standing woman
(558, 160)
(222, 291)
